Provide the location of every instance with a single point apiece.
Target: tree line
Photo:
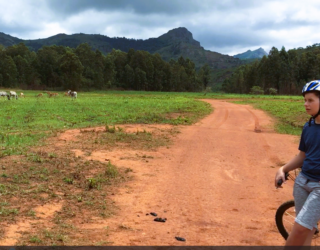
(283, 72)
(59, 67)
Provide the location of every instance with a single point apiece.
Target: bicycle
(286, 214)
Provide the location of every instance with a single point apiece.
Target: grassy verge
(288, 111)
(25, 122)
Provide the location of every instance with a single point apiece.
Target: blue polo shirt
(310, 144)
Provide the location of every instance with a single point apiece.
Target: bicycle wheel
(285, 216)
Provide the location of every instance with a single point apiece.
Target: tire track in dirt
(257, 128)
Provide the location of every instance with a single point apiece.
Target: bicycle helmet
(311, 87)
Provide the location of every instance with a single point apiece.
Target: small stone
(180, 238)
(160, 219)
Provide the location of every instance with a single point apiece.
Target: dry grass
(71, 190)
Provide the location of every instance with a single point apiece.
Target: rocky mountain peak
(180, 34)
(258, 53)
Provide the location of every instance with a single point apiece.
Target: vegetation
(288, 111)
(285, 71)
(75, 190)
(170, 46)
(61, 68)
(28, 120)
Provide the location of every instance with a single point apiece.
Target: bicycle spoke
(290, 215)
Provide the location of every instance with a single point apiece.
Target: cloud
(229, 26)
(68, 7)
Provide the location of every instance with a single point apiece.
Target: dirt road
(214, 185)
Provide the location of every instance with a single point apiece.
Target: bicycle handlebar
(279, 183)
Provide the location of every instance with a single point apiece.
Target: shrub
(256, 90)
(272, 91)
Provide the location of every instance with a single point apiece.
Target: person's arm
(294, 163)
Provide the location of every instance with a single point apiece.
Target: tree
(87, 59)
(273, 69)
(109, 72)
(98, 65)
(129, 78)
(71, 70)
(47, 64)
(140, 79)
(9, 72)
(205, 75)
(119, 59)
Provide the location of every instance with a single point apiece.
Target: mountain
(171, 45)
(259, 53)
(8, 40)
(175, 43)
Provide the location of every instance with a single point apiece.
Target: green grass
(27, 121)
(288, 111)
(49, 176)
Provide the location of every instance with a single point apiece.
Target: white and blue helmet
(311, 86)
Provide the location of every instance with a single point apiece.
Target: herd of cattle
(13, 94)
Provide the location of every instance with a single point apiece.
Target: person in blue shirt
(306, 189)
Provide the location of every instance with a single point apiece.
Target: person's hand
(280, 178)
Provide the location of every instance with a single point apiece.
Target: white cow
(14, 94)
(73, 94)
(4, 93)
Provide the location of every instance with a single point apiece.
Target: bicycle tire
(286, 210)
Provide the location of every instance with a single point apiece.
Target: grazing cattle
(5, 94)
(14, 94)
(53, 94)
(39, 95)
(21, 94)
(73, 94)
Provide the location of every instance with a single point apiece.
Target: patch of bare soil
(213, 185)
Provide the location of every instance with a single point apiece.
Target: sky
(225, 26)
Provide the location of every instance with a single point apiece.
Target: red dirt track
(214, 185)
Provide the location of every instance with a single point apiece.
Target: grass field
(36, 173)
(26, 121)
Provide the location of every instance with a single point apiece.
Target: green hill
(171, 45)
(177, 42)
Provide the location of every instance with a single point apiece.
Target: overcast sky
(224, 26)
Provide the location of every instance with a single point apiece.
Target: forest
(60, 68)
(281, 72)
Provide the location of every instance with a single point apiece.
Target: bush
(272, 91)
(256, 90)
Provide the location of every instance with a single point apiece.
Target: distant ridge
(259, 53)
(171, 45)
